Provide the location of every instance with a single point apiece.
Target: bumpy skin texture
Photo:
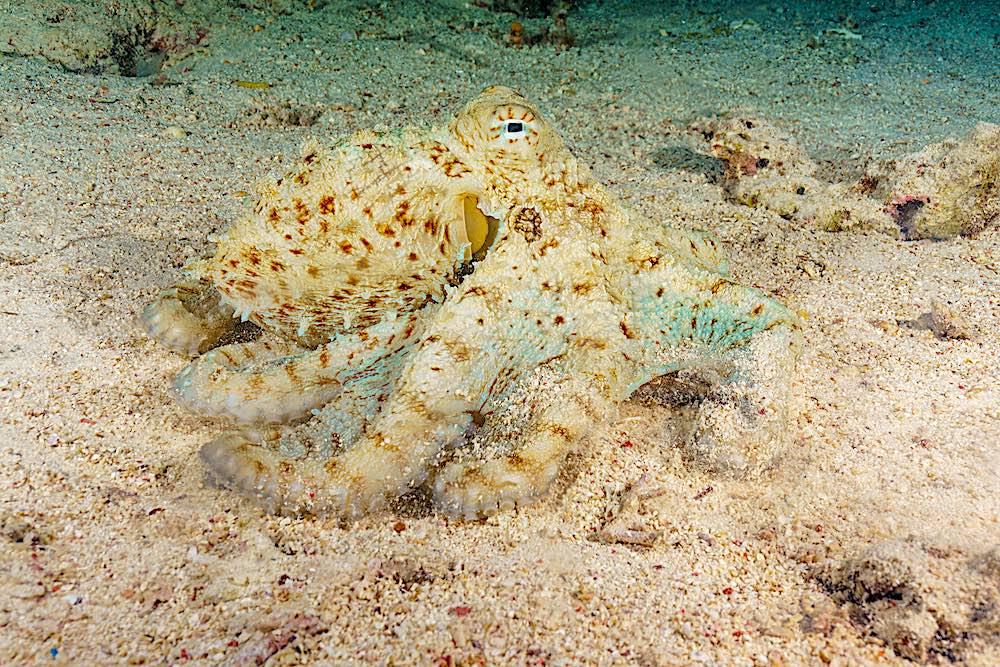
(765, 168)
(355, 266)
(947, 189)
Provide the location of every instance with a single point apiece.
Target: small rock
(15, 528)
(906, 593)
(946, 322)
(174, 132)
(911, 634)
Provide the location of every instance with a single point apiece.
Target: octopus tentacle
(473, 489)
(743, 340)
(741, 427)
(188, 317)
(426, 410)
(289, 386)
(229, 380)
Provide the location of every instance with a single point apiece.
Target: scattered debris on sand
(945, 321)
(269, 638)
(625, 518)
(923, 601)
(269, 113)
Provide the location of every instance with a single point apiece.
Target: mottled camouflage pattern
(379, 328)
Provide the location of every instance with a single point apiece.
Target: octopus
(458, 308)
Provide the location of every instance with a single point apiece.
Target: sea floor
(114, 550)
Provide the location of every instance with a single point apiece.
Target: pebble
(174, 132)
(947, 323)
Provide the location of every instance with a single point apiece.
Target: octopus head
(504, 134)
(508, 144)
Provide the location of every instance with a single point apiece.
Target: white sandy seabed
(870, 542)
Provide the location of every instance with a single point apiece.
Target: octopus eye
(513, 129)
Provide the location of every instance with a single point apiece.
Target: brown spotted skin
(576, 303)
(371, 225)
